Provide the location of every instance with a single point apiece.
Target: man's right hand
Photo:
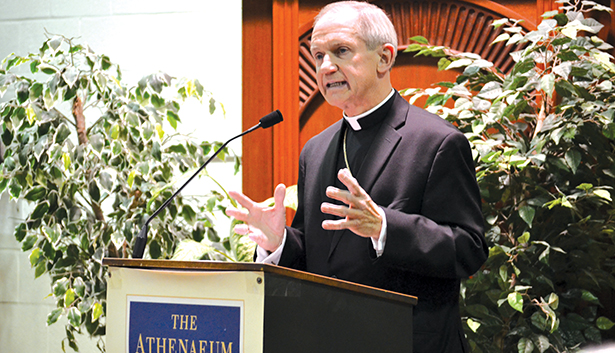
(263, 224)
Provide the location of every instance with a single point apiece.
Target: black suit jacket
(420, 171)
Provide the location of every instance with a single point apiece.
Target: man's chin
(336, 100)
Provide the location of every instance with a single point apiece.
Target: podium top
(214, 266)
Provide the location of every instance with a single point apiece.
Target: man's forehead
(334, 33)
(339, 20)
(334, 38)
(342, 14)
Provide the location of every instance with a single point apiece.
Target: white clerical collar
(354, 120)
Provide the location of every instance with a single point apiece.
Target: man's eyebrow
(315, 47)
(329, 45)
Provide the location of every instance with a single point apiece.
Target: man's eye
(318, 56)
(342, 51)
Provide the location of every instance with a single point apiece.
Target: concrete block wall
(23, 307)
(185, 38)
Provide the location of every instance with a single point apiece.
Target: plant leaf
(525, 345)
(190, 250)
(74, 317)
(605, 194)
(54, 316)
(604, 323)
(525, 237)
(573, 159)
(515, 300)
(420, 39)
(547, 83)
(527, 214)
(97, 311)
(491, 90)
(542, 343)
(61, 134)
(69, 297)
(473, 325)
(502, 37)
(459, 63)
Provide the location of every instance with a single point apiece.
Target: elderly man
(387, 195)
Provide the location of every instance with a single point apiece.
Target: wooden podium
(164, 306)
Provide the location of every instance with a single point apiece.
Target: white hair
(375, 27)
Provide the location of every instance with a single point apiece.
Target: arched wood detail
(464, 26)
(307, 70)
(278, 73)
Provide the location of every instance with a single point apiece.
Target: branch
(80, 120)
(83, 140)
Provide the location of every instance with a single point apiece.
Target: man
(387, 195)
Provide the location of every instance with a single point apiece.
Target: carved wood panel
(462, 26)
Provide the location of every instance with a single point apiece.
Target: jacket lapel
(383, 145)
(328, 173)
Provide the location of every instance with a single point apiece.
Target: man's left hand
(361, 216)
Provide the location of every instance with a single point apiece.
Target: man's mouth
(336, 84)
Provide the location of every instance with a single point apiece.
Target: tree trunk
(83, 140)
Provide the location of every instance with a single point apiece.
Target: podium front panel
(306, 317)
(184, 311)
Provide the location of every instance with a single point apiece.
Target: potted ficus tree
(543, 136)
(95, 157)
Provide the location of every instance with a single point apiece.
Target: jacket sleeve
(293, 255)
(445, 238)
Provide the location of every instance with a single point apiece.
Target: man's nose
(327, 65)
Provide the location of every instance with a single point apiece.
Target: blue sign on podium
(180, 325)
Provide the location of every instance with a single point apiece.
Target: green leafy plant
(543, 137)
(95, 158)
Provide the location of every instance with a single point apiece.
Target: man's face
(346, 70)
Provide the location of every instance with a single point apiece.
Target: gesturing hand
(361, 216)
(263, 224)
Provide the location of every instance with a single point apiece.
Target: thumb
(279, 195)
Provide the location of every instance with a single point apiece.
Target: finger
(337, 224)
(349, 214)
(356, 226)
(241, 229)
(241, 215)
(279, 195)
(258, 238)
(339, 195)
(242, 199)
(335, 210)
(263, 241)
(350, 182)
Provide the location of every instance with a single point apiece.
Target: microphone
(265, 122)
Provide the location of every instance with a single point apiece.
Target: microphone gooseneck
(265, 122)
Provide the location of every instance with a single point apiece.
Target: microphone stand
(141, 240)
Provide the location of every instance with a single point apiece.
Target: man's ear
(387, 58)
